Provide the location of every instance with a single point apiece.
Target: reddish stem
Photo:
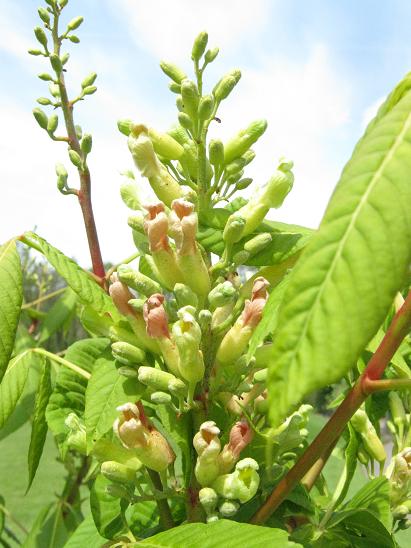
(328, 436)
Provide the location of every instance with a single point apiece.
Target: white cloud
(167, 29)
(306, 105)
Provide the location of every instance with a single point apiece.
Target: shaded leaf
(344, 283)
(107, 511)
(58, 315)
(14, 380)
(78, 279)
(11, 295)
(86, 535)
(106, 390)
(69, 392)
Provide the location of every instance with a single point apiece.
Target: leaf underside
(342, 287)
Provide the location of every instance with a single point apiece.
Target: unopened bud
(234, 228)
(89, 80)
(75, 23)
(206, 107)
(41, 118)
(127, 353)
(221, 295)
(52, 123)
(41, 36)
(44, 15)
(208, 499)
(248, 156)
(164, 145)
(160, 380)
(125, 126)
(44, 101)
(173, 72)
(138, 281)
(56, 63)
(35, 52)
(235, 166)
(160, 398)
(119, 473)
(118, 491)
(241, 257)
(185, 296)
(89, 90)
(211, 54)
(239, 144)
(216, 152)
(175, 88)
(45, 77)
(75, 158)
(185, 121)
(86, 143)
(228, 508)
(224, 87)
(204, 319)
(258, 243)
(199, 46)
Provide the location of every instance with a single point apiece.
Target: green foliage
(39, 427)
(11, 292)
(228, 533)
(342, 287)
(78, 279)
(107, 511)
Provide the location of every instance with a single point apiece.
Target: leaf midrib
(397, 142)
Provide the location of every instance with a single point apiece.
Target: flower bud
(44, 15)
(138, 281)
(280, 184)
(44, 101)
(160, 380)
(199, 46)
(75, 158)
(165, 145)
(216, 152)
(56, 63)
(41, 118)
(128, 372)
(221, 295)
(372, 443)
(204, 319)
(41, 36)
(89, 81)
(228, 508)
(185, 296)
(241, 435)
(175, 88)
(258, 243)
(165, 187)
(224, 87)
(236, 339)
(45, 77)
(173, 72)
(160, 398)
(35, 52)
(206, 107)
(189, 93)
(185, 121)
(127, 353)
(241, 257)
(248, 156)
(234, 228)
(210, 55)
(125, 126)
(134, 432)
(208, 499)
(75, 23)
(397, 410)
(89, 90)
(86, 144)
(260, 376)
(119, 473)
(73, 38)
(240, 144)
(76, 438)
(118, 491)
(120, 295)
(235, 166)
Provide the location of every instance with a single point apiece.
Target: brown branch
(328, 436)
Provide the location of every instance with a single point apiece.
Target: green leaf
(58, 315)
(374, 497)
(344, 283)
(221, 533)
(268, 322)
(142, 517)
(11, 295)
(69, 392)
(39, 426)
(108, 512)
(78, 279)
(350, 464)
(86, 535)
(129, 195)
(31, 540)
(363, 529)
(14, 380)
(106, 390)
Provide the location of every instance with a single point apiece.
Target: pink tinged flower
(120, 294)
(253, 310)
(155, 317)
(156, 226)
(241, 435)
(183, 226)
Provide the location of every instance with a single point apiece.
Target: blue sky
(317, 71)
